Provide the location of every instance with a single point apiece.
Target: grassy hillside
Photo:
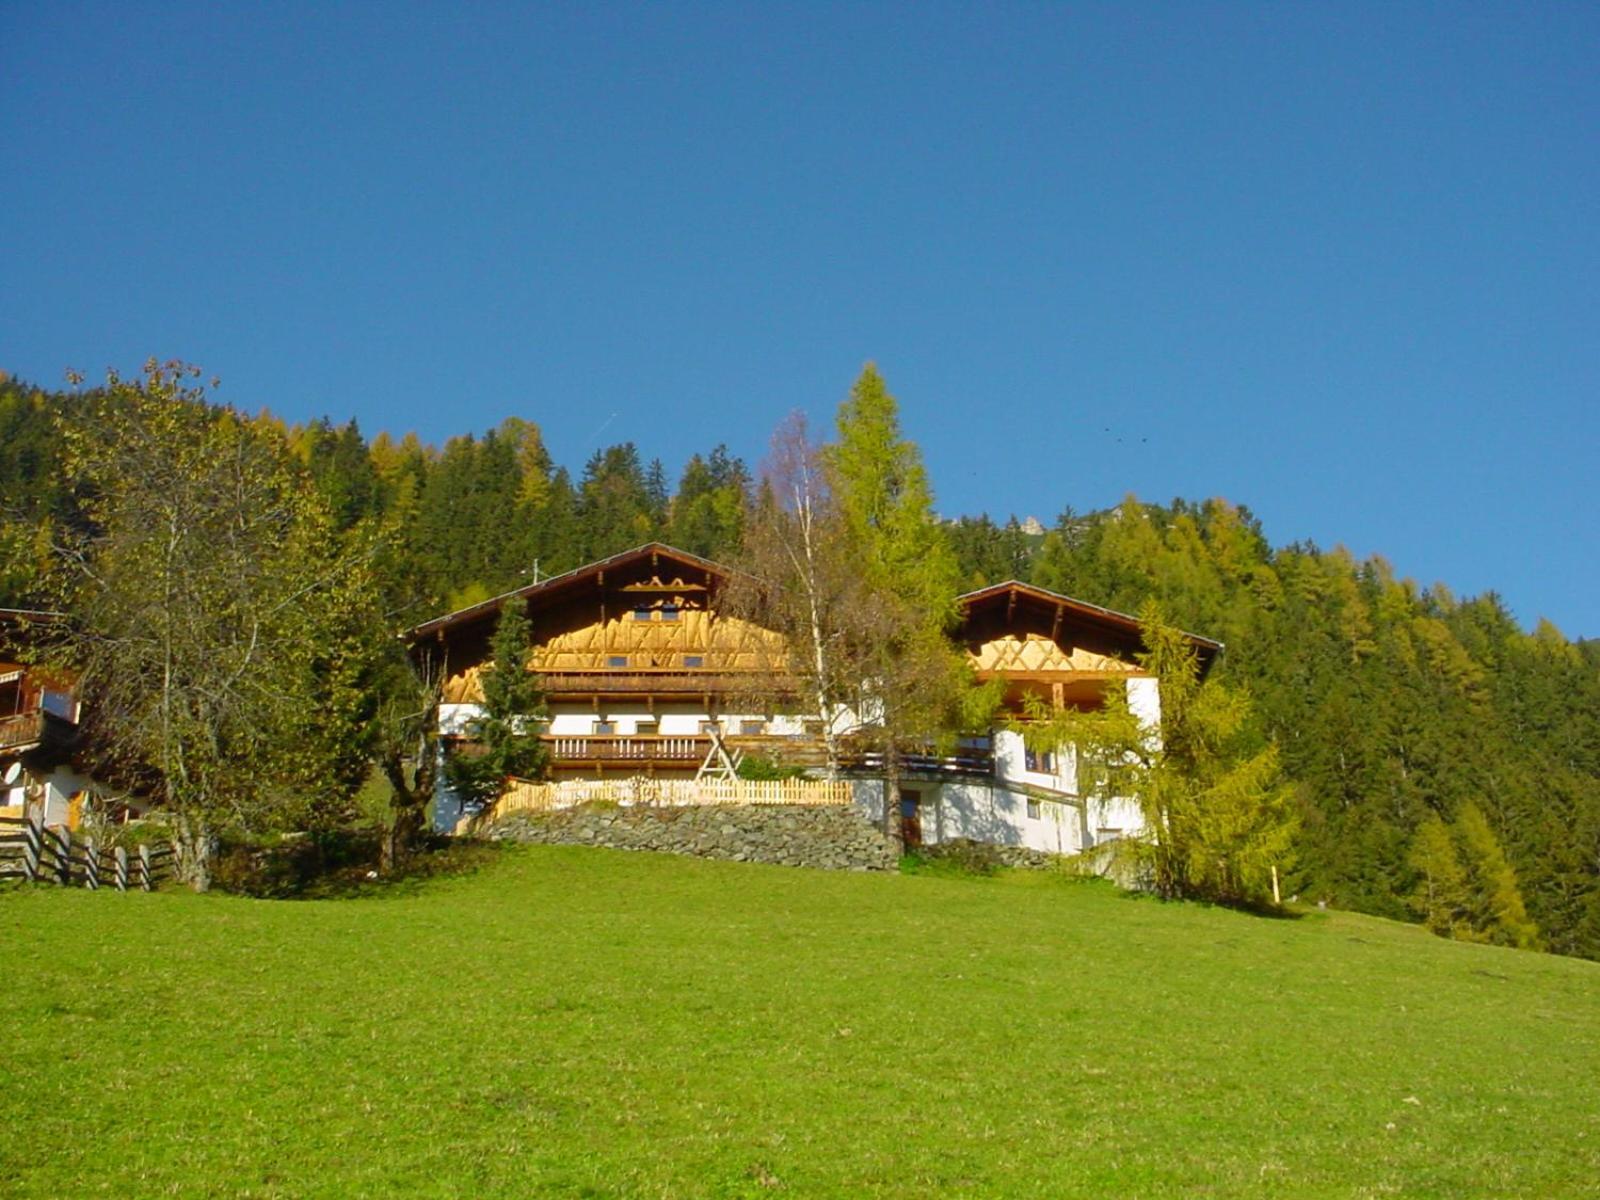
(581, 1022)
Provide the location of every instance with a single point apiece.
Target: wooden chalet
(38, 727)
(641, 668)
(636, 660)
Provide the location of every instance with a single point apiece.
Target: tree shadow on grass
(1251, 908)
(346, 869)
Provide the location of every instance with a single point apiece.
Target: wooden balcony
(963, 762)
(680, 751)
(627, 749)
(28, 730)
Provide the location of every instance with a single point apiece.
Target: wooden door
(910, 818)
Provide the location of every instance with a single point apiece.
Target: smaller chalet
(644, 676)
(38, 730)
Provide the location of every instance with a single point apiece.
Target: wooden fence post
(91, 864)
(32, 847)
(61, 846)
(122, 869)
(144, 867)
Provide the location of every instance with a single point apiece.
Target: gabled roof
(1117, 623)
(559, 583)
(1107, 618)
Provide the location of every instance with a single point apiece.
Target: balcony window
(641, 614)
(694, 660)
(617, 660)
(709, 727)
(669, 612)
(604, 727)
(752, 728)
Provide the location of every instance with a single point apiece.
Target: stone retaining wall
(987, 853)
(837, 837)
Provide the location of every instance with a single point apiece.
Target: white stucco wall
(1144, 700)
(60, 786)
(981, 811)
(51, 792)
(1011, 762)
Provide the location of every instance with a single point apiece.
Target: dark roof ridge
(493, 603)
(1082, 605)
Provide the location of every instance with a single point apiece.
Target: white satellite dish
(13, 773)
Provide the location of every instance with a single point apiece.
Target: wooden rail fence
(41, 853)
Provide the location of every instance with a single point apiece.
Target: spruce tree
(505, 735)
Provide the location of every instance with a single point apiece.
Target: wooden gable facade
(1065, 652)
(642, 625)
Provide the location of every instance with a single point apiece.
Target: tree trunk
(408, 803)
(193, 849)
(892, 829)
(401, 838)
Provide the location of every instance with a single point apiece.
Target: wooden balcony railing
(39, 727)
(963, 762)
(641, 748)
(24, 729)
(795, 751)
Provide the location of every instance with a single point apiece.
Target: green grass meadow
(572, 1022)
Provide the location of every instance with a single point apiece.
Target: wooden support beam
(1055, 625)
(1011, 607)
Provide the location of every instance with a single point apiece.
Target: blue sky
(1338, 263)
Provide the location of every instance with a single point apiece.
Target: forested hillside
(1446, 762)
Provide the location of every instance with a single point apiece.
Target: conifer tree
(913, 686)
(1440, 898)
(505, 735)
(1496, 911)
(1217, 815)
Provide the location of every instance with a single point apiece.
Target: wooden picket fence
(40, 853)
(525, 795)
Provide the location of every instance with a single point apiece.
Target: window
(641, 614)
(669, 612)
(644, 728)
(1040, 760)
(58, 704)
(694, 660)
(752, 728)
(605, 727)
(617, 660)
(707, 727)
(1033, 810)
